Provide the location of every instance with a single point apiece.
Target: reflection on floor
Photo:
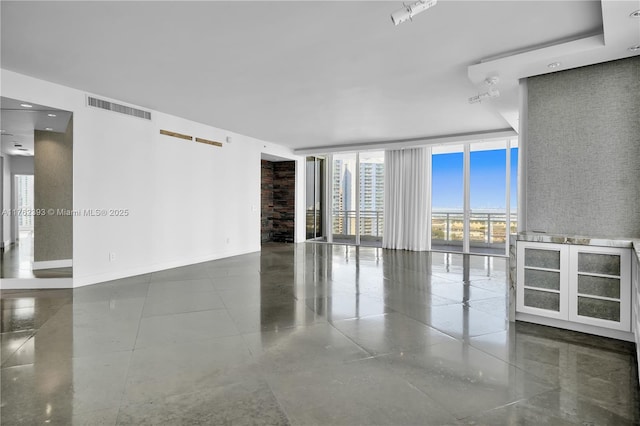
(475, 248)
(17, 261)
(365, 240)
(492, 250)
(305, 334)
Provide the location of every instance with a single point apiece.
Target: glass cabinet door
(542, 288)
(600, 287)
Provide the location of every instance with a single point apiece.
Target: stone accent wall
(284, 197)
(266, 201)
(278, 196)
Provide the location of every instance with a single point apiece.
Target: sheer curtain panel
(406, 201)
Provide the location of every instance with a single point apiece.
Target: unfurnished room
(320, 212)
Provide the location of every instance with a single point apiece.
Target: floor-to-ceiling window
(344, 198)
(474, 196)
(24, 202)
(315, 185)
(371, 197)
(355, 189)
(487, 200)
(513, 185)
(447, 197)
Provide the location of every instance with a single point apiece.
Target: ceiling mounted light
(17, 145)
(635, 14)
(491, 83)
(26, 105)
(553, 65)
(483, 96)
(23, 149)
(634, 48)
(48, 129)
(51, 115)
(408, 11)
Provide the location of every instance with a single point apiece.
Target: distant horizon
(460, 210)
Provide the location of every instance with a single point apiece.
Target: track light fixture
(494, 93)
(491, 82)
(408, 11)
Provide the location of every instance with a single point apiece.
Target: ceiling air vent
(122, 109)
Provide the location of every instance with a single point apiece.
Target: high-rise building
(343, 208)
(371, 198)
(338, 197)
(25, 201)
(348, 214)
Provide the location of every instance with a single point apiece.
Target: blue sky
(487, 180)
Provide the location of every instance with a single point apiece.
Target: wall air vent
(122, 109)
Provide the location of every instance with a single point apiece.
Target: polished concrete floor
(17, 261)
(305, 334)
(492, 250)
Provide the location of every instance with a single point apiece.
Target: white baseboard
(35, 283)
(131, 272)
(583, 328)
(52, 264)
(44, 283)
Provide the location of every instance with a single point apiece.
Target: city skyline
(487, 175)
(370, 194)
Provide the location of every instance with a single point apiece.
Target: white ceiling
(18, 123)
(299, 73)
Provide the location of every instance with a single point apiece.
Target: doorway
(23, 221)
(357, 198)
(277, 200)
(37, 184)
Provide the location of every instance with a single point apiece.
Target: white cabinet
(600, 286)
(581, 284)
(542, 276)
(635, 318)
(635, 282)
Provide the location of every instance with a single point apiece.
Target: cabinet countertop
(579, 240)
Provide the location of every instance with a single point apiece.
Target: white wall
(11, 166)
(5, 225)
(21, 165)
(282, 152)
(188, 202)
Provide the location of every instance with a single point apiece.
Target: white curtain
(406, 180)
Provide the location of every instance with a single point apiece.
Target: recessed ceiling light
(634, 48)
(554, 65)
(51, 115)
(26, 105)
(635, 14)
(48, 128)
